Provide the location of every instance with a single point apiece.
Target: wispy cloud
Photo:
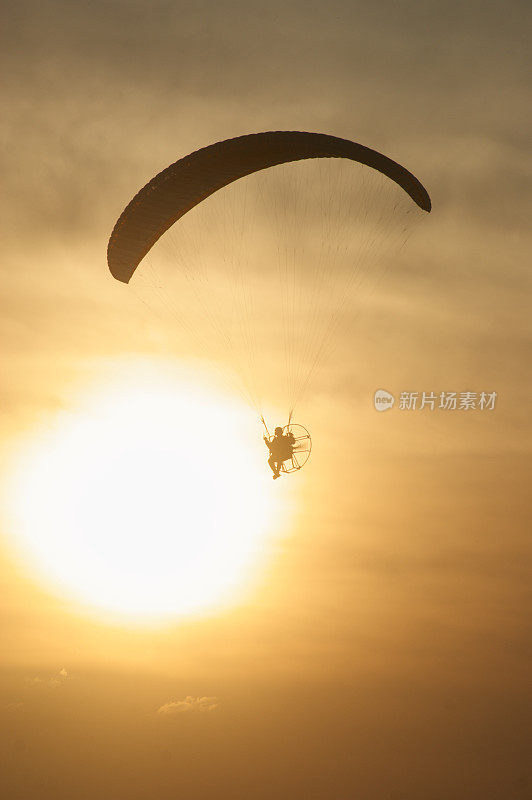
(57, 679)
(15, 706)
(189, 704)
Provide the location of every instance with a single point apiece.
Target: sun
(151, 499)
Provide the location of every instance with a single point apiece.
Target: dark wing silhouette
(184, 184)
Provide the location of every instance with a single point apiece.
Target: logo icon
(383, 400)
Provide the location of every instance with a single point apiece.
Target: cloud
(188, 705)
(15, 706)
(58, 679)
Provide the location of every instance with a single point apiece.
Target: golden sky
(378, 645)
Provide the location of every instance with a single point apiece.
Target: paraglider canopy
(321, 214)
(184, 184)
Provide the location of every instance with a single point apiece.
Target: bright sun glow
(152, 499)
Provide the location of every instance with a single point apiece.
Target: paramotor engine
(300, 449)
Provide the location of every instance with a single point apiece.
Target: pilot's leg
(274, 466)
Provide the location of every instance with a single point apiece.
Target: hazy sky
(385, 650)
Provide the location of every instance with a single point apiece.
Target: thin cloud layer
(58, 679)
(189, 705)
